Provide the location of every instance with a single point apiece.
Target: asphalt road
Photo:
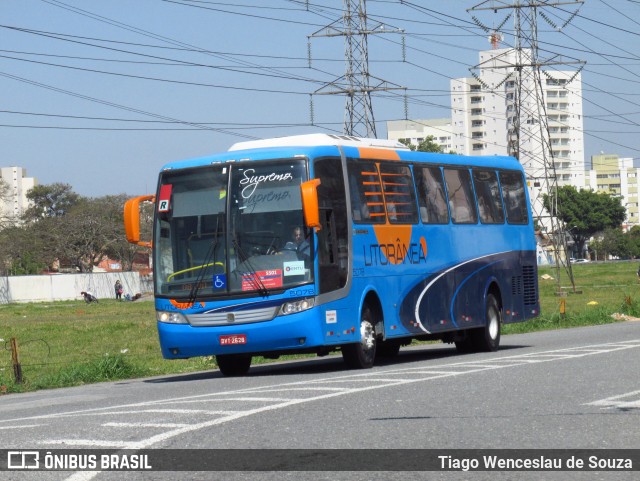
(574, 388)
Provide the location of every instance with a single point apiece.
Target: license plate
(233, 339)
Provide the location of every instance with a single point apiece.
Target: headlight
(171, 317)
(296, 306)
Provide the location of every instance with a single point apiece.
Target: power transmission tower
(529, 139)
(357, 83)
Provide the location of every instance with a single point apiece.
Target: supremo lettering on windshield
(383, 254)
(251, 182)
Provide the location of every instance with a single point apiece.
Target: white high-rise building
(483, 111)
(416, 131)
(13, 201)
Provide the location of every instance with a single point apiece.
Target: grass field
(72, 343)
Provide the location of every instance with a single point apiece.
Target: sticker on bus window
(220, 281)
(252, 281)
(294, 268)
(164, 198)
(331, 317)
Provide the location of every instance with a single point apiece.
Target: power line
(115, 105)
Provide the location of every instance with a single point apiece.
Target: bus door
(333, 236)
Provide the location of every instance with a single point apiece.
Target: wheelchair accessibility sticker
(220, 281)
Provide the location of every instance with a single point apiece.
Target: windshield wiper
(255, 278)
(209, 259)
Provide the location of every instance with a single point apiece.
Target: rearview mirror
(309, 190)
(132, 219)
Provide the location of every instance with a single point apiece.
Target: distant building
(483, 111)
(416, 131)
(616, 175)
(14, 202)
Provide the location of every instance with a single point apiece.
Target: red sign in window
(253, 281)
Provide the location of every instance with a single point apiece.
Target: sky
(101, 94)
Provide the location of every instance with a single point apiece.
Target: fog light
(175, 351)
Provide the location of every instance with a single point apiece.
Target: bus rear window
(488, 194)
(514, 197)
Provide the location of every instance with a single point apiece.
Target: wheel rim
(367, 338)
(494, 323)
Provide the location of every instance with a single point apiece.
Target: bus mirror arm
(310, 208)
(132, 219)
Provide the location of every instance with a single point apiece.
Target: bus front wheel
(361, 355)
(233, 365)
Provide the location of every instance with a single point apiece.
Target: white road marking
(310, 392)
(23, 426)
(145, 425)
(616, 401)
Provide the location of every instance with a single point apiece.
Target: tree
(585, 212)
(121, 249)
(52, 200)
(21, 251)
(64, 227)
(634, 241)
(612, 242)
(83, 236)
(429, 144)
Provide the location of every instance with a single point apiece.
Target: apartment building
(484, 107)
(617, 175)
(13, 201)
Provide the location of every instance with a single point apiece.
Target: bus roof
(328, 144)
(319, 139)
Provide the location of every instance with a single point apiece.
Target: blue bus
(319, 243)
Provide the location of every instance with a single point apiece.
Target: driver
(299, 243)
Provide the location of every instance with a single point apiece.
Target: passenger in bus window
(486, 215)
(433, 205)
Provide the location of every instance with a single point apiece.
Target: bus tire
(487, 338)
(361, 355)
(233, 365)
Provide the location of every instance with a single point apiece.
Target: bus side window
(431, 198)
(367, 203)
(399, 194)
(333, 255)
(488, 194)
(461, 201)
(514, 197)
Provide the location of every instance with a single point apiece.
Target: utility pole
(357, 83)
(528, 137)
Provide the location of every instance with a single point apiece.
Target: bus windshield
(231, 230)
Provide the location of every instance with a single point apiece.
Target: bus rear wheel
(486, 338)
(233, 365)
(361, 355)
